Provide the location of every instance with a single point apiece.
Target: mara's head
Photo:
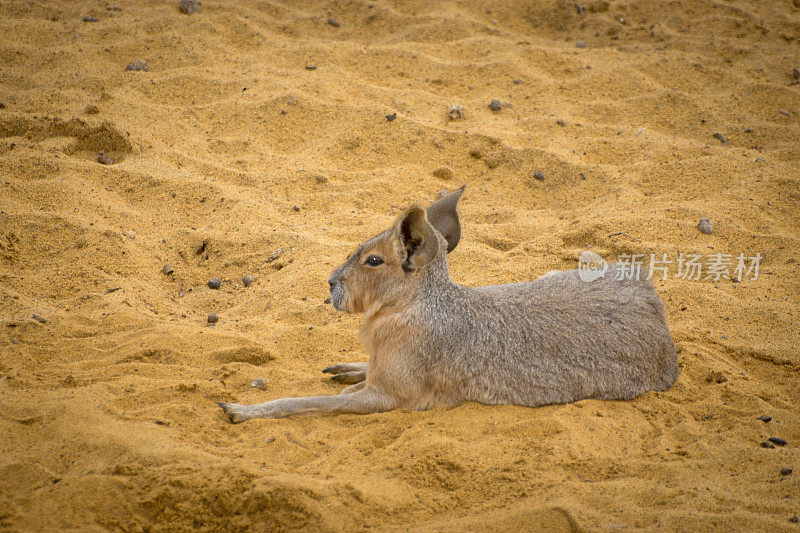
(386, 270)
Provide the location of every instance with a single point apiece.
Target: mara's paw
(234, 411)
(349, 378)
(345, 367)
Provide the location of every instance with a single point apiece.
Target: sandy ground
(231, 157)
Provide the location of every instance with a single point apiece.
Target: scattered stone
(334, 23)
(477, 154)
(140, 65)
(777, 440)
(539, 175)
(495, 105)
(766, 444)
(39, 318)
(246, 281)
(443, 173)
(215, 283)
(764, 418)
(189, 7)
(716, 377)
(113, 8)
(295, 208)
(721, 138)
(114, 289)
(561, 122)
(103, 159)
(785, 471)
(455, 112)
(90, 19)
(705, 226)
(580, 44)
(583, 176)
(259, 383)
(270, 440)
(311, 67)
(517, 81)
(276, 254)
(391, 117)
(213, 318)
(785, 113)
(91, 110)
(167, 270)
(794, 519)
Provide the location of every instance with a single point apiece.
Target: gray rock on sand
(705, 226)
(455, 112)
(495, 105)
(213, 318)
(140, 65)
(259, 383)
(189, 6)
(215, 283)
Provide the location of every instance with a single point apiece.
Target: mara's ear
(443, 216)
(417, 243)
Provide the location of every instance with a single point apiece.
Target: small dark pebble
(495, 105)
(785, 471)
(246, 281)
(115, 289)
(295, 208)
(794, 519)
(764, 418)
(580, 44)
(167, 270)
(561, 122)
(517, 81)
(103, 159)
(705, 226)
(189, 6)
(311, 67)
(721, 138)
(539, 175)
(270, 440)
(140, 65)
(777, 440)
(391, 117)
(334, 23)
(39, 318)
(583, 176)
(90, 19)
(785, 113)
(215, 283)
(766, 444)
(213, 318)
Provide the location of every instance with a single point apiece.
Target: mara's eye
(373, 261)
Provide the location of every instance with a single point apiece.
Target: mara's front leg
(347, 372)
(364, 401)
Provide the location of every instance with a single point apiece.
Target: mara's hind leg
(363, 401)
(347, 373)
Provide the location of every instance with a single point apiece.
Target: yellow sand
(107, 410)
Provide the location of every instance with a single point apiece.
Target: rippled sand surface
(232, 157)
